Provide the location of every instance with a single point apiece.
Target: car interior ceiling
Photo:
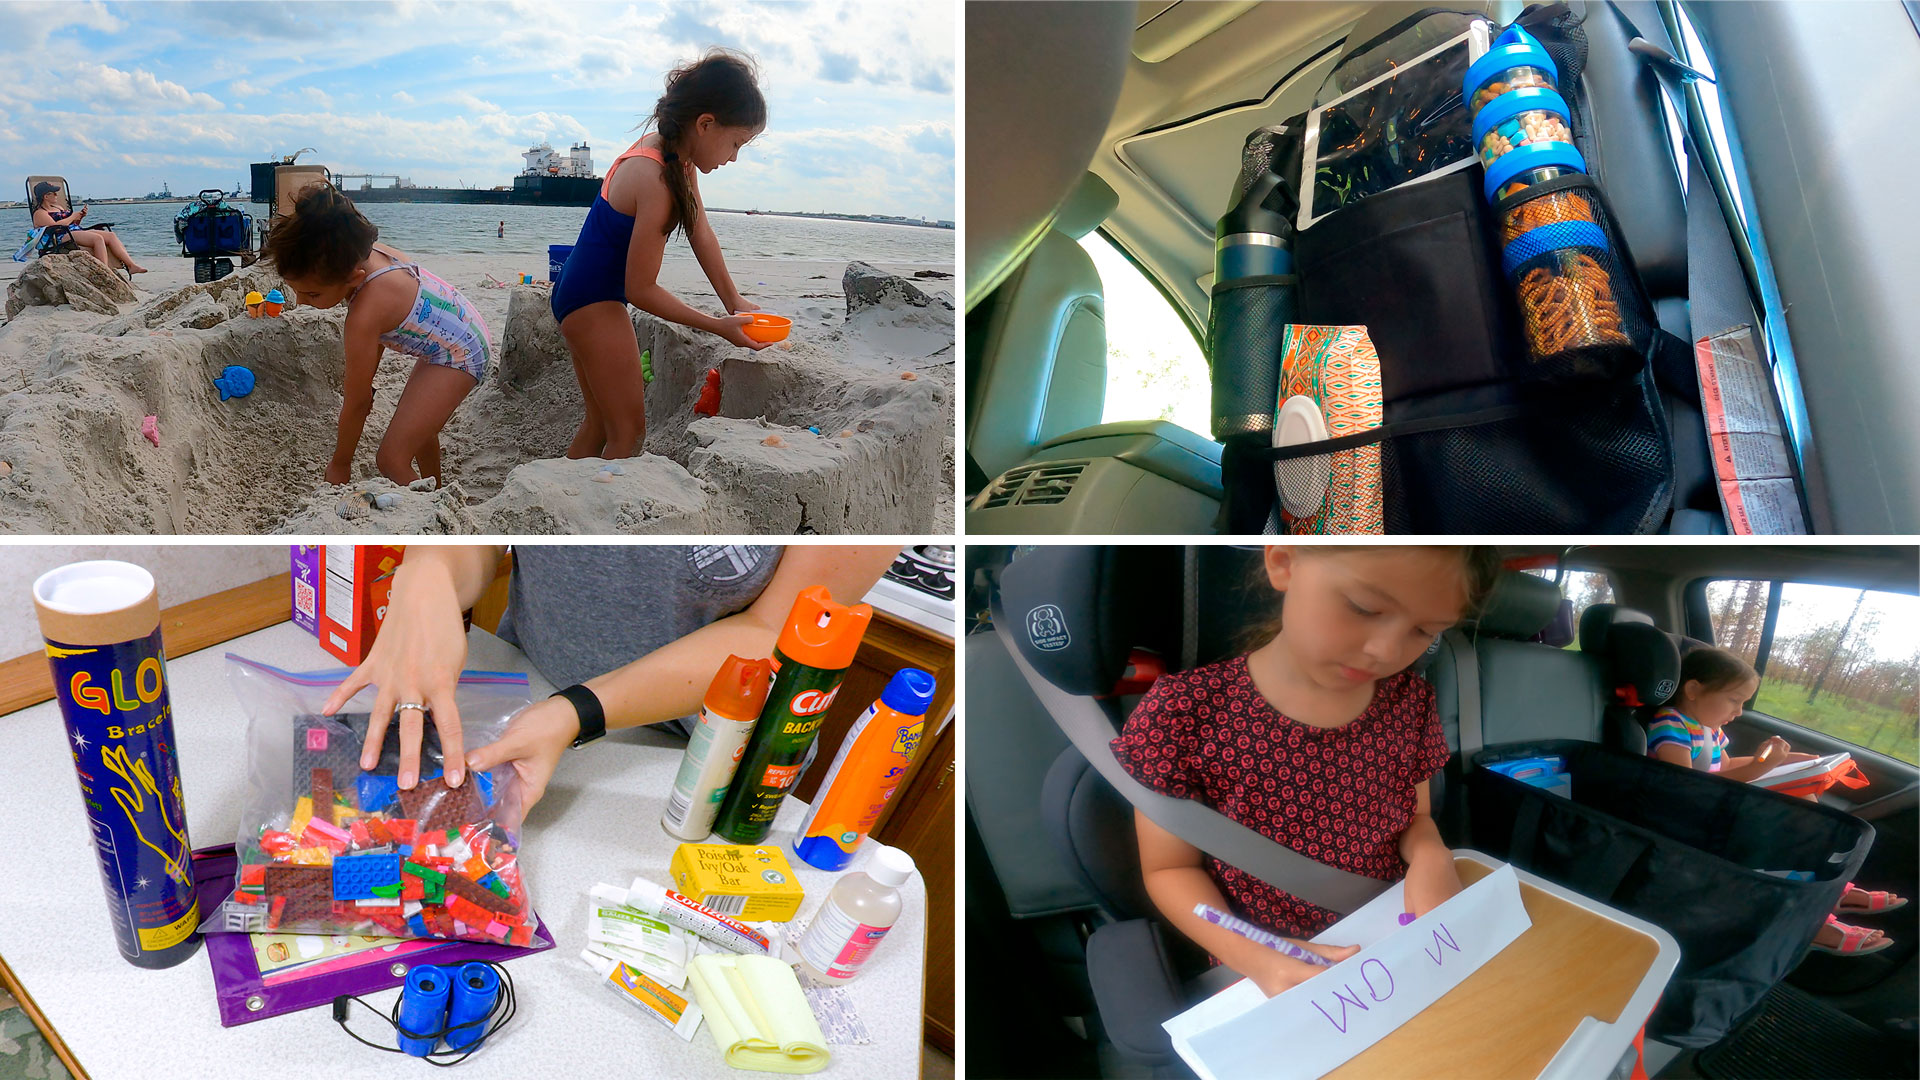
(1170, 152)
(1865, 999)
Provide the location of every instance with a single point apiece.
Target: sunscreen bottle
(727, 716)
(873, 759)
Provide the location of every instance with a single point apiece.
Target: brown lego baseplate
(308, 889)
(435, 806)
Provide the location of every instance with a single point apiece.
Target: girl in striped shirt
(1715, 686)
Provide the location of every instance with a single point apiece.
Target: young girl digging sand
(1715, 686)
(1319, 738)
(326, 253)
(711, 109)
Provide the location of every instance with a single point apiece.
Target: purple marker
(1407, 917)
(1258, 936)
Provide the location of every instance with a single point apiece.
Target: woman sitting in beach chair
(62, 224)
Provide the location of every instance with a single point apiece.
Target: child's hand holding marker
(1292, 963)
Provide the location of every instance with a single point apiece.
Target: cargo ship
(549, 178)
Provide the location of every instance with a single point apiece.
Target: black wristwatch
(586, 705)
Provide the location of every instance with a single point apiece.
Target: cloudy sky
(120, 97)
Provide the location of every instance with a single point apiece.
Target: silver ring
(403, 707)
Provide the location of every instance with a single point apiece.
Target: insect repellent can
(811, 656)
(101, 622)
(873, 759)
(728, 713)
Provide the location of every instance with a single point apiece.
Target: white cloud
(402, 97)
(138, 89)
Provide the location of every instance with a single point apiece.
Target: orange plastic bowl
(765, 327)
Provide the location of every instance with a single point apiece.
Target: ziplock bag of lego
(327, 848)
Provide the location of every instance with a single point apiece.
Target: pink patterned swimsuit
(443, 328)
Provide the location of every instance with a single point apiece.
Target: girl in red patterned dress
(1319, 739)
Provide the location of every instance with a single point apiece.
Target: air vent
(1002, 491)
(1050, 485)
(1033, 485)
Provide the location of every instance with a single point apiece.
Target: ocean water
(451, 229)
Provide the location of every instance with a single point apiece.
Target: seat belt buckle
(1143, 668)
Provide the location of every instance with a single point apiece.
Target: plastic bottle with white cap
(859, 911)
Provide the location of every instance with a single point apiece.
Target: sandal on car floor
(1852, 940)
(1877, 901)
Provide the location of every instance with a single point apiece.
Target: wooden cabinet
(920, 818)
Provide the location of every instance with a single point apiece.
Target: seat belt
(1713, 272)
(1189, 607)
(1466, 680)
(1089, 727)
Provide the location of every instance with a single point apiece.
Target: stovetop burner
(926, 568)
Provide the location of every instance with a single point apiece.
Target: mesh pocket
(1599, 463)
(1582, 312)
(1245, 323)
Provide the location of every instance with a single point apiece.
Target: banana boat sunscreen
(870, 765)
(811, 656)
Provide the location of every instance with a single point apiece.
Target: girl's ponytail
(721, 83)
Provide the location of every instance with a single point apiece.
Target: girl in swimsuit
(711, 109)
(326, 254)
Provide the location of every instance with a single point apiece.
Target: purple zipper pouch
(245, 993)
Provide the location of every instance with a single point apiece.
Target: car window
(1842, 661)
(1584, 588)
(1155, 369)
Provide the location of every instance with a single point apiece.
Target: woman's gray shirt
(579, 611)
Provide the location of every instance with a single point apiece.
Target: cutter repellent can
(101, 622)
(733, 703)
(873, 758)
(811, 656)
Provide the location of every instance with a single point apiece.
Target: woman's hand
(734, 329)
(740, 304)
(1275, 972)
(417, 658)
(534, 740)
(1430, 883)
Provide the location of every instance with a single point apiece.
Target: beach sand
(877, 382)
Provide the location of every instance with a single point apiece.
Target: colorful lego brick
(253, 875)
(276, 912)
(302, 813)
(412, 888)
(493, 884)
(391, 892)
(243, 897)
(418, 925)
(311, 856)
(376, 792)
(321, 781)
(360, 877)
(497, 930)
(467, 912)
(521, 935)
(380, 831)
(402, 829)
(474, 893)
(361, 837)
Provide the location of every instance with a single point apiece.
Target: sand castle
(875, 379)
